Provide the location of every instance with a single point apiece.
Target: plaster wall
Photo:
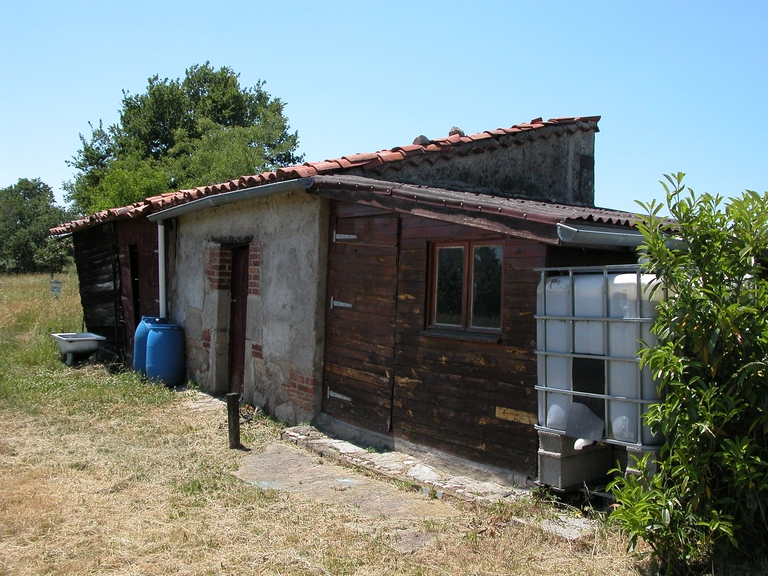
(285, 313)
(559, 169)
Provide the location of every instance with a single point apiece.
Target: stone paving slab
(401, 466)
(293, 469)
(289, 469)
(432, 479)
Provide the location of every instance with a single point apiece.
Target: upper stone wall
(558, 169)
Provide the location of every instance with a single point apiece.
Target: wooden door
(237, 318)
(360, 322)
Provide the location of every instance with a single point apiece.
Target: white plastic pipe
(581, 443)
(161, 267)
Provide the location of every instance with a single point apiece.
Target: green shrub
(709, 497)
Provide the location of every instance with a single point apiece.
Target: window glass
(449, 289)
(486, 287)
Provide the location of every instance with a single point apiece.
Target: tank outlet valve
(581, 442)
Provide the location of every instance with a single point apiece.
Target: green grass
(32, 376)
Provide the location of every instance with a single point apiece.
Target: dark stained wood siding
(98, 271)
(142, 235)
(469, 395)
(359, 341)
(450, 392)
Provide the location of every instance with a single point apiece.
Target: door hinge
(337, 304)
(337, 237)
(332, 394)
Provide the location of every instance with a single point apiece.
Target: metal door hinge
(332, 394)
(337, 237)
(337, 304)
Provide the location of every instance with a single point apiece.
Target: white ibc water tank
(605, 315)
(589, 302)
(557, 333)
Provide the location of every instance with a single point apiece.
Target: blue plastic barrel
(165, 354)
(140, 342)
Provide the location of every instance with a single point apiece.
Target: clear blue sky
(680, 86)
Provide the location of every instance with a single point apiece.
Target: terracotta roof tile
(477, 137)
(391, 156)
(486, 141)
(323, 166)
(358, 158)
(410, 150)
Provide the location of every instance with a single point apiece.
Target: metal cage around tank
(591, 323)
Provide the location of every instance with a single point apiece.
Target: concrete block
(563, 467)
(563, 445)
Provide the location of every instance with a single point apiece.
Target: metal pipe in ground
(233, 418)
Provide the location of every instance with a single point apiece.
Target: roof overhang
(549, 223)
(532, 220)
(378, 162)
(231, 197)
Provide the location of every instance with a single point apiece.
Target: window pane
(450, 280)
(486, 287)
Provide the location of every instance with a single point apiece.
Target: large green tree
(27, 211)
(181, 133)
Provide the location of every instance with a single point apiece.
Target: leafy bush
(709, 495)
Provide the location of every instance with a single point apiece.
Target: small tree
(53, 255)
(27, 211)
(709, 495)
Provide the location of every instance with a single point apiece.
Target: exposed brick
(301, 390)
(218, 268)
(207, 339)
(254, 268)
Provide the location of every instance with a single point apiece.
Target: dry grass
(101, 473)
(146, 489)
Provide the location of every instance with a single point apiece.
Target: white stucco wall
(286, 318)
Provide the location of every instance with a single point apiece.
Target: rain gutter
(590, 235)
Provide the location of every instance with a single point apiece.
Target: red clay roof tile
(323, 166)
(391, 156)
(486, 141)
(357, 158)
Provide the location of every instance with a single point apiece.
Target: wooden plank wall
(470, 398)
(98, 272)
(143, 234)
(473, 398)
(359, 341)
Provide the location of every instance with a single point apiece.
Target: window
(466, 286)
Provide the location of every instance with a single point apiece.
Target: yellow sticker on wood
(512, 415)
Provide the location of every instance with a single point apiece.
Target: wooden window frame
(467, 287)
